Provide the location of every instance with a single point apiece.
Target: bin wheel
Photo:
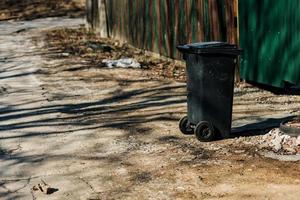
(205, 131)
(184, 126)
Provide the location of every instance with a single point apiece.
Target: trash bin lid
(214, 47)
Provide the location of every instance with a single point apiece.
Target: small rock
(180, 188)
(290, 150)
(35, 188)
(266, 137)
(276, 143)
(285, 138)
(89, 50)
(2, 89)
(44, 187)
(298, 141)
(297, 150)
(239, 151)
(200, 178)
(65, 54)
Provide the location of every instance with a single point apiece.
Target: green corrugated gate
(270, 37)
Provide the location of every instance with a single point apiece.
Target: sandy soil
(98, 133)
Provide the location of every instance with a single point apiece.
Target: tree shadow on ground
(259, 128)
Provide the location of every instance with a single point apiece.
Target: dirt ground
(96, 133)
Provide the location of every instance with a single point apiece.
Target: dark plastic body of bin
(210, 83)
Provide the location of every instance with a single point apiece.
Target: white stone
(276, 143)
(298, 141)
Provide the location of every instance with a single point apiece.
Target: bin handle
(183, 48)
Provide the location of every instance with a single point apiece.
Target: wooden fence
(160, 25)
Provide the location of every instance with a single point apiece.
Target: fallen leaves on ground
(93, 49)
(32, 9)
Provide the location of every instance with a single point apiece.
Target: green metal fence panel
(270, 37)
(160, 25)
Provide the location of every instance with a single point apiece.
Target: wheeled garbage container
(210, 85)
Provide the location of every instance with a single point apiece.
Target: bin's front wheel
(205, 131)
(184, 126)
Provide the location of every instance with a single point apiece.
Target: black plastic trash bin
(210, 84)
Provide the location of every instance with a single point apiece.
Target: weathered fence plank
(97, 16)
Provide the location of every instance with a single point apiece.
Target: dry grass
(93, 49)
(32, 9)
